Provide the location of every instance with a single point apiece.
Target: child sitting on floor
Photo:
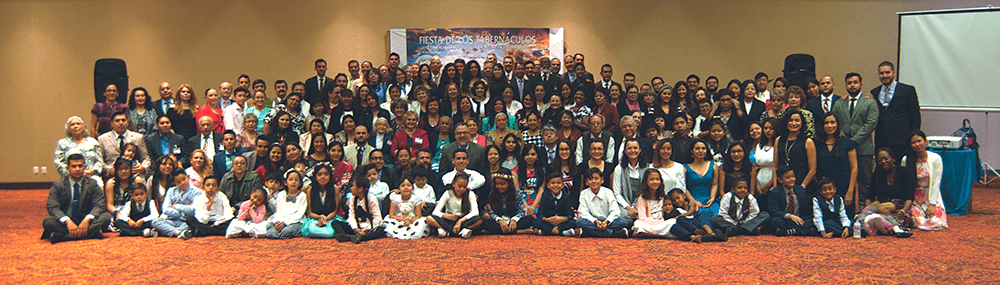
(457, 212)
(363, 212)
(656, 212)
(177, 205)
(600, 215)
(324, 203)
(738, 212)
(212, 212)
(423, 191)
(405, 220)
(555, 216)
(289, 208)
(690, 224)
(789, 206)
(877, 218)
(252, 219)
(829, 213)
(135, 217)
(505, 211)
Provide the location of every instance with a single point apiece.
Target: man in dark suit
(546, 78)
(166, 99)
(630, 130)
(824, 103)
(606, 73)
(477, 154)
(858, 116)
(315, 84)
(518, 82)
(208, 141)
(166, 142)
(257, 158)
(899, 111)
(223, 160)
(385, 174)
(76, 205)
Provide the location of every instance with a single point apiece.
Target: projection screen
(952, 57)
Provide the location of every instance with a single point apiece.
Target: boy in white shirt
(212, 212)
(600, 215)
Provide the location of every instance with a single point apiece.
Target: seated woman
(892, 183)
(77, 140)
(928, 210)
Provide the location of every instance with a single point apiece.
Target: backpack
(967, 134)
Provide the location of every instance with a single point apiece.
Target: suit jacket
(252, 159)
(901, 117)
(313, 92)
(390, 177)
(815, 105)
(109, 143)
(195, 142)
(477, 158)
(158, 105)
(176, 143)
(777, 202)
(551, 86)
(756, 109)
(236, 194)
(386, 145)
(519, 91)
(860, 125)
(61, 195)
(351, 154)
(219, 168)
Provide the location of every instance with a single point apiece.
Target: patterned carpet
(966, 253)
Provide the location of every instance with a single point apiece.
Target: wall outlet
(45, 170)
(35, 170)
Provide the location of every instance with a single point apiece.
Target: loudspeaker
(799, 69)
(111, 70)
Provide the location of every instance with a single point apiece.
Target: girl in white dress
(404, 220)
(651, 221)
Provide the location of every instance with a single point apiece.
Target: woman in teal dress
(701, 177)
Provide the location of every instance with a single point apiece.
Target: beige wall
(48, 48)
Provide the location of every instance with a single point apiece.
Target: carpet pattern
(966, 253)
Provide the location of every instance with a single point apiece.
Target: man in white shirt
(461, 160)
(760, 82)
(435, 68)
(225, 95)
(596, 133)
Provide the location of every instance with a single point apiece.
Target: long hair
(660, 144)
(206, 170)
(131, 99)
(466, 205)
(641, 159)
(522, 164)
(648, 193)
(823, 136)
(764, 139)
(509, 196)
(729, 165)
(784, 124)
(504, 153)
(557, 164)
(717, 146)
(156, 176)
(271, 166)
(330, 188)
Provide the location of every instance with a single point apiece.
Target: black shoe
(904, 234)
(57, 238)
(711, 238)
(97, 235)
(622, 233)
(356, 239)
(722, 235)
(342, 237)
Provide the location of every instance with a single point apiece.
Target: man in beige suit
(112, 143)
(356, 152)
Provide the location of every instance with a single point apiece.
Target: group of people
(511, 146)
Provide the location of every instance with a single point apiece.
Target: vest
(135, 214)
(587, 139)
(825, 208)
(744, 213)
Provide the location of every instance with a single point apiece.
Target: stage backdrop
(419, 45)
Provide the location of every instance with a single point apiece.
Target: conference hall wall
(48, 48)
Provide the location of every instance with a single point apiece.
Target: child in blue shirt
(829, 214)
(177, 205)
(555, 216)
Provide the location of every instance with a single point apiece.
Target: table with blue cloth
(961, 169)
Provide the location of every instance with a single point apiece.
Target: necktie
(545, 77)
(791, 202)
(606, 85)
(321, 81)
(826, 105)
(853, 100)
(204, 144)
(75, 206)
(121, 144)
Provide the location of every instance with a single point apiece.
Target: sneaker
(442, 233)
(186, 235)
(145, 233)
(465, 233)
(111, 228)
(569, 233)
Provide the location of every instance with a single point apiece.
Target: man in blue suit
(166, 142)
(223, 160)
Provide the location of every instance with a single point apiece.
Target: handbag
(967, 134)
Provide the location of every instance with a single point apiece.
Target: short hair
(420, 171)
(629, 74)
(678, 191)
(244, 76)
(608, 65)
(212, 177)
(241, 89)
(393, 54)
(318, 61)
(349, 62)
(82, 122)
(655, 78)
(887, 63)
(229, 132)
(782, 170)
(427, 150)
(694, 76)
(262, 138)
(177, 172)
(116, 114)
(759, 75)
(75, 156)
(548, 127)
(724, 92)
(591, 171)
(711, 77)
(852, 74)
(258, 81)
(825, 181)
(459, 150)
(276, 175)
(813, 81)
(280, 81)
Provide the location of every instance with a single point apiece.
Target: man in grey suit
(858, 117)
(75, 205)
(477, 154)
(356, 153)
(262, 146)
(112, 143)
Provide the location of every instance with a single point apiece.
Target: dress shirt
(724, 208)
(602, 206)
(887, 92)
(476, 180)
(127, 210)
(220, 212)
(818, 214)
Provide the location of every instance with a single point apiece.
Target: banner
(420, 45)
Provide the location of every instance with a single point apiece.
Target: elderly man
(75, 205)
(629, 128)
(166, 99)
(596, 133)
(208, 141)
(239, 183)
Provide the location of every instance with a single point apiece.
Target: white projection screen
(952, 57)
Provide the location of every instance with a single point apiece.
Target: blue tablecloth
(961, 169)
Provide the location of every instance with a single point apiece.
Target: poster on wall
(420, 45)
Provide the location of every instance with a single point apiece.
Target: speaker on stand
(799, 69)
(111, 70)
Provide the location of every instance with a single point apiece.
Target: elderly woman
(77, 140)
(249, 135)
(101, 112)
(928, 210)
